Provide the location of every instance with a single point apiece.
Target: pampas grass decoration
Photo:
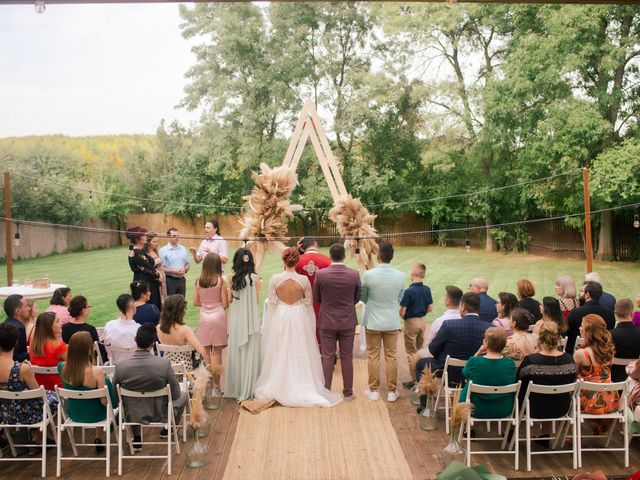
(460, 411)
(200, 380)
(429, 383)
(268, 209)
(355, 222)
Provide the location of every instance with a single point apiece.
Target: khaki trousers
(376, 341)
(413, 336)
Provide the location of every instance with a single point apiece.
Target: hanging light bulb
(35, 187)
(90, 196)
(40, 6)
(636, 221)
(144, 209)
(198, 215)
(467, 244)
(16, 237)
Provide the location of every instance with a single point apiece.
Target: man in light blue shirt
(175, 260)
(382, 289)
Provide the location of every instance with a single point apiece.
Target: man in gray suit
(337, 291)
(144, 372)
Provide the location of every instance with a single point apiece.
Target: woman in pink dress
(60, 301)
(212, 298)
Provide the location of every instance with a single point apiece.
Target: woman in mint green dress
(243, 357)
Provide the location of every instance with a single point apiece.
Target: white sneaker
(392, 396)
(372, 395)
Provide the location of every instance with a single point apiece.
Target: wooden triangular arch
(309, 127)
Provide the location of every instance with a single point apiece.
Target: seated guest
(489, 367)
(626, 338)
(551, 312)
(15, 306)
(457, 338)
(79, 373)
(46, 350)
(121, 332)
(487, 311)
(594, 363)
(590, 294)
(549, 366)
(79, 309)
(173, 331)
(60, 301)
(526, 291)
(18, 377)
(145, 372)
(506, 303)
(636, 314)
(33, 314)
(607, 300)
(521, 343)
(567, 293)
(146, 312)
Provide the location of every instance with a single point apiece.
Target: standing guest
(18, 377)
(243, 357)
(567, 293)
(606, 299)
(151, 247)
(212, 297)
(626, 338)
(590, 295)
(146, 312)
(636, 314)
(594, 363)
(121, 332)
(489, 367)
(452, 298)
(521, 343)
(487, 312)
(382, 288)
(15, 306)
(46, 350)
(337, 290)
(526, 290)
(176, 263)
(79, 373)
(142, 264)
(59, 304)
(33, 314)
(79, 309)
(145, 372)
(549, 366)
(415, 304)
(311, 261)
(504, 306)
(173, 331)
(212, 243)
(551, 312)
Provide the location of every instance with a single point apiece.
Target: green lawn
(101, 275)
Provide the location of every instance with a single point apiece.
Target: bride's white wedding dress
(291, 370)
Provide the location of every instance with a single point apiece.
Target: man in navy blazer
(487, 311)
(337, 290)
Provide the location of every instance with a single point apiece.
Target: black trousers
(176, 285)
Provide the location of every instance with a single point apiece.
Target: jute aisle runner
(353, 440)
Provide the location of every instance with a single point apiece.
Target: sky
(91, 69)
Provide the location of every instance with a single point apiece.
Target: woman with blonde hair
(33, 314)
(567, 293)
(211, 295)
(79, 373)
(45, 349)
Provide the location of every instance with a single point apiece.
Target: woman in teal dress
(79, 373)
(489, 367)
(243, 357)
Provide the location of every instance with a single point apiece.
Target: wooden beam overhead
(85, 2)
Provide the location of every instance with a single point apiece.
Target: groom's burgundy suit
(337, 291)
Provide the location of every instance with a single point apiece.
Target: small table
(30, 292)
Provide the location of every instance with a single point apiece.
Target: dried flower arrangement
(429, 383)
(199, 381)
(460, 411)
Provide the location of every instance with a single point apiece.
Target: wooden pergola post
(7, 228)
(588, 248)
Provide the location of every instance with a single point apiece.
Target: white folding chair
(579, 343)
(563, 343)
(97, 353)
(100, 331)
(181, 374)
(618, 415)
(568, 420)
(37, 370)
(173, 351)
(622, 361)
(41, 426)
(170, 425)
(66, 423)
(510, 420)
(111, 350)
(108, 370)
(445, 388)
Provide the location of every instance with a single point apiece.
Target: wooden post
(587, 220)
(7, 227)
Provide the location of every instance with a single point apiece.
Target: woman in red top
(46, 350)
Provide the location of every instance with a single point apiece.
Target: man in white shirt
(452, 302)
(121, 332)
(212, 243)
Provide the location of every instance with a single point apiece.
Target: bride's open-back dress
(291, 370)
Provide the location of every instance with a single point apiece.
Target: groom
(337, 291)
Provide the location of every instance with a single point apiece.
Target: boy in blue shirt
(416, 303)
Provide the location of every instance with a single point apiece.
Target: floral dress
(597, 402)
(22, 411)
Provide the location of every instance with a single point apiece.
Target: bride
(291, 370)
